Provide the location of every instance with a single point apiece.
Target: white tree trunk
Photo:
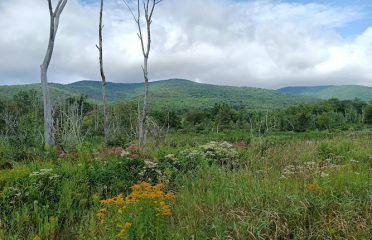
(148, 8)
(48, 119)
(103, 77)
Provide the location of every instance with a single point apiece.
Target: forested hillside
(175, 94)
(347, 92)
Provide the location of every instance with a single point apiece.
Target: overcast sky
(266, 44)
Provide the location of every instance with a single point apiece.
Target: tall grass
(238, 205)
(325, 194)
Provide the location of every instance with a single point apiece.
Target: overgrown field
(314, 185)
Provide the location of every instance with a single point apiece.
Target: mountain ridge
(342, 92)
(178, 94)
(181, 94)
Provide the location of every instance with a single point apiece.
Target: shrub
(220, 153)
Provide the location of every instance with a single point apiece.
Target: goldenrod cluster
(115, 200)
(140, 193)
(145, 190)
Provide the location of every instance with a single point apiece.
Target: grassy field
(314, 185)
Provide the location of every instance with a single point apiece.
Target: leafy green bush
(220, 153)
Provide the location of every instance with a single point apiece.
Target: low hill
(58, 92)
(175, 94)
(346, 92)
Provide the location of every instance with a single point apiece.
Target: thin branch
(58, 6)
(61, 5)
(50, 8)
(131, 11)
(146, 8)
(153, 7)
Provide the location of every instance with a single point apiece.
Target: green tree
(368, 114)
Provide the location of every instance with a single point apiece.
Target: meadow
(226, 185)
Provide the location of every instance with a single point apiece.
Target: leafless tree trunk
(251, 125)
(291, 124)
(156, 130)
(103, 77)
(54, 22)
(96, 122)
(10, 119)
(148, 8)
(70, 124)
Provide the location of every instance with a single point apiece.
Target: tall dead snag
(54, 22)
(103, 77)
(148, 8)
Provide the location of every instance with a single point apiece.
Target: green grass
(239, 205)
(254, 199)
(256, 203)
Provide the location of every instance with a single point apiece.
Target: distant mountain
(58, 91)
(346, 92)
(175, 94)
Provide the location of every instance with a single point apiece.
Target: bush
(48, 199)
(220, 153)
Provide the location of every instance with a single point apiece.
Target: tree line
(77, 120)
(324, 115)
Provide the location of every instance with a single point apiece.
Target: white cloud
(246, 43)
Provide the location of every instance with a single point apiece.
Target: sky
(265, 43)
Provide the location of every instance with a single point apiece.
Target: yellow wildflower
(170, 195)
(127, 225)
(119, 199)
(121, 233)
(166, 210)
(313, 186)
(101, 212)
(158, 187)
(123, 229)
(136, 187)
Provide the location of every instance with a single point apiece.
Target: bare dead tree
(103, 77)
(155, 129)
(10, 119)
(148, 8)
(54, 23)
(69, 124)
